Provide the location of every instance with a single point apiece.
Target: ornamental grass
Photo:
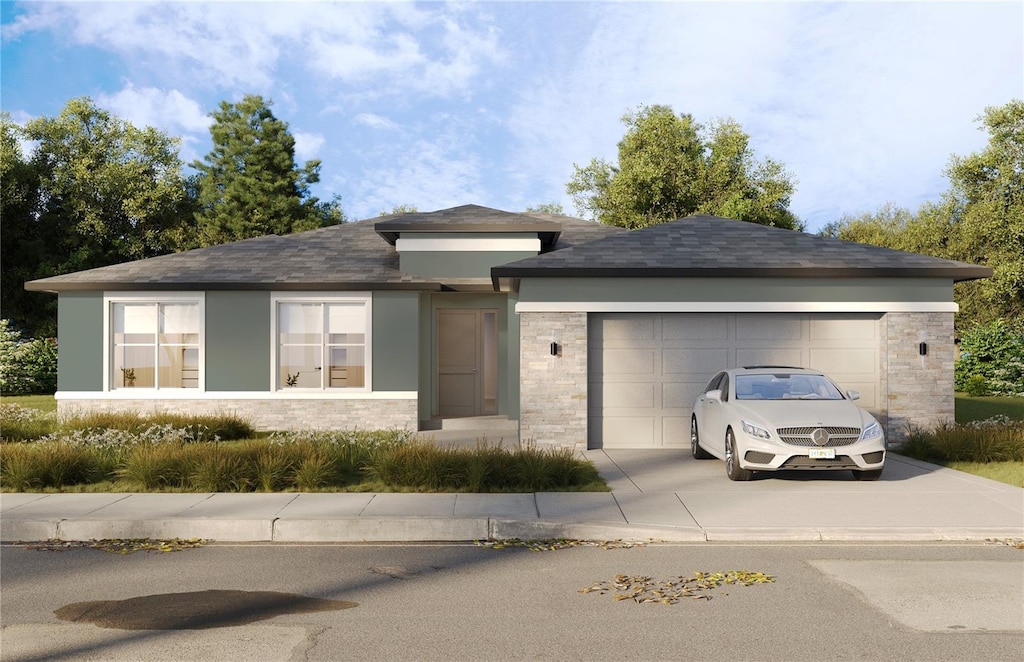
(147, 457)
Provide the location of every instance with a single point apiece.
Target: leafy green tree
(115, 189)
(26, 241)
(249, 184)
(546, 208)
(979, 220)
(991, 360)
(986, 202)
(95, 190)
(400, 209)
(26, 366)
(670, 166)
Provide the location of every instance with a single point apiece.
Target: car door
(708, 411)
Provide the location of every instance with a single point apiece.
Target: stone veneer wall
(272, 414)
(553, 389)
(920, 388)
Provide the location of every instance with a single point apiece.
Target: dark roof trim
(42, 286)
(957, 273)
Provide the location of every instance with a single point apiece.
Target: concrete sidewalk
(656, 494)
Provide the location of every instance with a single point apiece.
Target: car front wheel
(696, 449)
(732, 461)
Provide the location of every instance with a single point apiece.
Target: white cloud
(864, 102)
(375, 121)
(435, 169)
(243, 45)
(169, 110)
(307, 145)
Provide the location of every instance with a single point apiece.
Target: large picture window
(155, 344)
(322, 344)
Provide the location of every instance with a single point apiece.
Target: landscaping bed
(132, 453)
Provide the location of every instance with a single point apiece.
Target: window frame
(110, 299)
(324, 299)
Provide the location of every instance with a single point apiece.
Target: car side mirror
(853, 395)
(714, 396)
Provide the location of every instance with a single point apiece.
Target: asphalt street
(829, 601)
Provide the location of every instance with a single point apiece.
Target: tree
(96, 190)
(979, 220)
(249, 184)
(400, 209)
(986, 202)
(670, 166)
(25, 243)
(546, 208)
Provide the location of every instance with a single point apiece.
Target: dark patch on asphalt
(199, 610)
(393, 571)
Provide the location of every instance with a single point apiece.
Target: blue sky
(441, 104)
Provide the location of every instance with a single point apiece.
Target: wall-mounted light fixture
(922, 349)
(554, 348)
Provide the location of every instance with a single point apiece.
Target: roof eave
(955, 273)
(318, 286)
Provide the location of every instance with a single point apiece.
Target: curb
(426, 529)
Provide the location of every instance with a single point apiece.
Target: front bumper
(772, 455)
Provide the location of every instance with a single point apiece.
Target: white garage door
(646, 369)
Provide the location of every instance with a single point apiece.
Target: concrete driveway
(912, 501)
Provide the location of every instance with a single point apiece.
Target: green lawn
(43, 402)
(979, 408)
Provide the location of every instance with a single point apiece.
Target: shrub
(26, 366)
(991, 357)
(997, 439)
(162, 457)
(19, 423)
(976, 386)
(199, 428)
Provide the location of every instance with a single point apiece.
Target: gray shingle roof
(358, 256)
(351, 256)
(709, 246)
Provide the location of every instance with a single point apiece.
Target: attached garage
(618, 335)
(645, 369)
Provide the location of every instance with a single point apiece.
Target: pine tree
(249, 184)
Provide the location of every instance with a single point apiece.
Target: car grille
(804, 462)
(802, 436)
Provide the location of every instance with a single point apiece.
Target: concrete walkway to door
(912, 501)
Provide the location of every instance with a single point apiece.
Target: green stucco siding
(80, 341)
(395, 341)
(736, 289)
(457, 264)
(238, 344)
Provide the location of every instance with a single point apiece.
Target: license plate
(822, 453)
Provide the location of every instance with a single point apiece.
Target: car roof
(771, 370)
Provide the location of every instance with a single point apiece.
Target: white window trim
(110, 298)
(366, 298)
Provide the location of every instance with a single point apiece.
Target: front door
(467, 362)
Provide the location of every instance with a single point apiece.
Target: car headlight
(871, 431)
(756, 431)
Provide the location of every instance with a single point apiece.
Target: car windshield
(786, 387)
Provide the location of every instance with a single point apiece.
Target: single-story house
(587, 335)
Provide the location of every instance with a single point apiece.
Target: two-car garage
(645, 369)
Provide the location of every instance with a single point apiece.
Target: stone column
(920, 388)
(553, 389)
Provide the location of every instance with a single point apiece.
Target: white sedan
(766, 418)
